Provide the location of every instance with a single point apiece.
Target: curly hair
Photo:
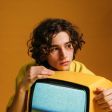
(40, 41)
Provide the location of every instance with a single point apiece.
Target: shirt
(75, 66)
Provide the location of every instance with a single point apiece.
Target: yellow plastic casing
(87, 80)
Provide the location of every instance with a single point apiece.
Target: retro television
(66, 91)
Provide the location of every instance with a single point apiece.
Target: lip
(64, 63)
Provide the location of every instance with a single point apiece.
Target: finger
(107, 92)
(103, 105)
(108, 97)
(101, 101)
(98, 90)
(103, 94)
(42, 76)
(47, 72)
(50, 72)
(99, 96)
(109, 103)
(103, 97)
(108, 109)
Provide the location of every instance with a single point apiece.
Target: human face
(61, 52)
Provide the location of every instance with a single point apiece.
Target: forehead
(60, 38)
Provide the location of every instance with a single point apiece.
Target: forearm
(32, 74)
(18, 104)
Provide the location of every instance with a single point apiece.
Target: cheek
(52, 58)
(71, 53)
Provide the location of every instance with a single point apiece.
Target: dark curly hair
(40, 41)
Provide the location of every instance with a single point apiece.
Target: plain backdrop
(19, 17)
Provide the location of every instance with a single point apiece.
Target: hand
(104, 98)
(32, 74)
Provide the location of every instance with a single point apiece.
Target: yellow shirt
(74, 66)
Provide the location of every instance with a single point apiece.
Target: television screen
(51, 95)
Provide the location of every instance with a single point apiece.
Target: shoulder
(77, 66)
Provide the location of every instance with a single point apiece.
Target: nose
(63, 53)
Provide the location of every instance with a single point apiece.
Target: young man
(53, 46)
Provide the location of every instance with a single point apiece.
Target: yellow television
(66, 91)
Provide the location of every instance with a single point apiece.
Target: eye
(69, 45)
(54, 49)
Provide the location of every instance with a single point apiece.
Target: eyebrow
(55, 45)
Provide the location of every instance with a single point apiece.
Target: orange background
(19, 17)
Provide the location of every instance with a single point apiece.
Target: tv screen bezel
(62, 84)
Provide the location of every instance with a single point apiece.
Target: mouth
(65, 63)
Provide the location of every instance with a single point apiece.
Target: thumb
(98, 90)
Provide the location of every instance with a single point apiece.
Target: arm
(32, 74)
(18, 104)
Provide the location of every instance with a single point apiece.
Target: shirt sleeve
(20, 76)
(85, 70)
